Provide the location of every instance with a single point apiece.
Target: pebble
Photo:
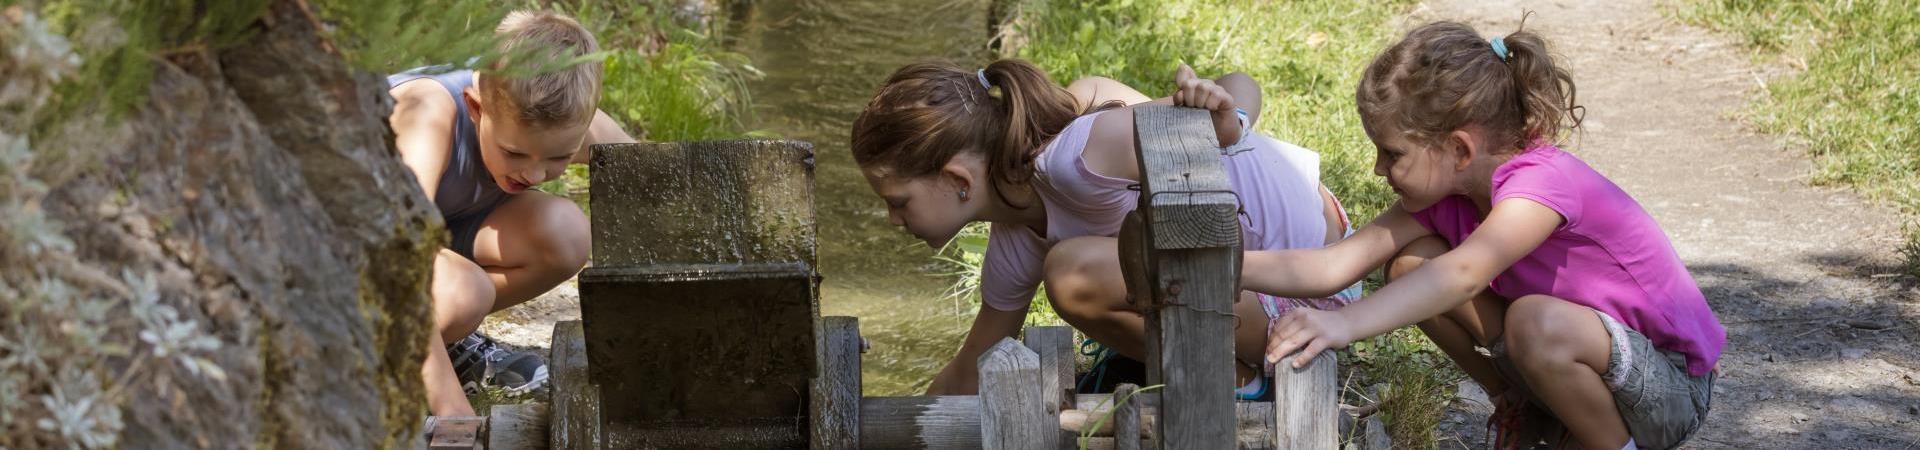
(1799, 417)
(1913, 409)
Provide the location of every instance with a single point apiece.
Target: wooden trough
(701, 324)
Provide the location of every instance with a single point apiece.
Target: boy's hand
(1195, 92)
(1308, 328)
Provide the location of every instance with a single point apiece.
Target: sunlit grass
(1855, 97)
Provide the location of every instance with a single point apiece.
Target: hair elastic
(1500, 48)
(982, 75)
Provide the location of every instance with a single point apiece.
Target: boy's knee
(564, 233)
(462, 295)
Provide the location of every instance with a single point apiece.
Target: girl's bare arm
(1320, 272)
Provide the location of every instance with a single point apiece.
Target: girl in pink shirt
(1544, 281)
(946, 146)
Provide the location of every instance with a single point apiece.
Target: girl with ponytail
(1049, 168)
(1544, 281)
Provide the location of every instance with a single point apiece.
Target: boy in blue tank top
(478, 143)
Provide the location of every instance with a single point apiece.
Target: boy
(478, 142)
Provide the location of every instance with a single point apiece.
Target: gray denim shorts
(1660, 403)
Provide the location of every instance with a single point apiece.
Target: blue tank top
(466, 187)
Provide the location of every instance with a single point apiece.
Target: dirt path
(1821, 349)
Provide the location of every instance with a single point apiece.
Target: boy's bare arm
(422, 124)
(603, 130)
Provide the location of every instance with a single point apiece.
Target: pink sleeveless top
(1278, 184)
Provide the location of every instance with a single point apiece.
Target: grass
(1854, 97)
(1307, 57)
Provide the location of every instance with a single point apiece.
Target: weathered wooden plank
(953, 422)
(576, 400)
(1012, 413)
(836, 392)
(518, 427)
(1190, 246)
(1126, 419)
(1307, 405)
(1184, 184)
(1054, 345)
(950, 422)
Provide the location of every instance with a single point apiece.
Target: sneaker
(1256, 390)
(1517, 424)
(477, 359)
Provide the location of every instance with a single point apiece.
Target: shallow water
(822, 60)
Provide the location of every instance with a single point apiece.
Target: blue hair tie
(982, 74)
(1500, 48)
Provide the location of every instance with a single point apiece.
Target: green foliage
(1854, 101)
(1416, 381)
(965, 255)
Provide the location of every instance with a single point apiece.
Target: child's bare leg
(1565, 347)
(462, 296)
(1086, 289)
(1457, 331)
(444, 396)
(529, 244)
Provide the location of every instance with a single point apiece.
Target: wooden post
(1012, 416)
(1306, 406)
(1190, 249)
(1126, 419)
(1054, 345)
(836, 392)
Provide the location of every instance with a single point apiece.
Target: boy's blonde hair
(564, 97)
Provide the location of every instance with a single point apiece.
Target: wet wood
(576, 401)
(836, 392)
(518, 427)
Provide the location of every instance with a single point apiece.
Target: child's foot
(477, 359)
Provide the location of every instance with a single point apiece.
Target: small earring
(963, 196)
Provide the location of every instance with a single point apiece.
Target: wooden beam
(953, 422)
(1191, 255)
(1307, 404)
(836, 392)
(1012, 414)
(456, 432)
